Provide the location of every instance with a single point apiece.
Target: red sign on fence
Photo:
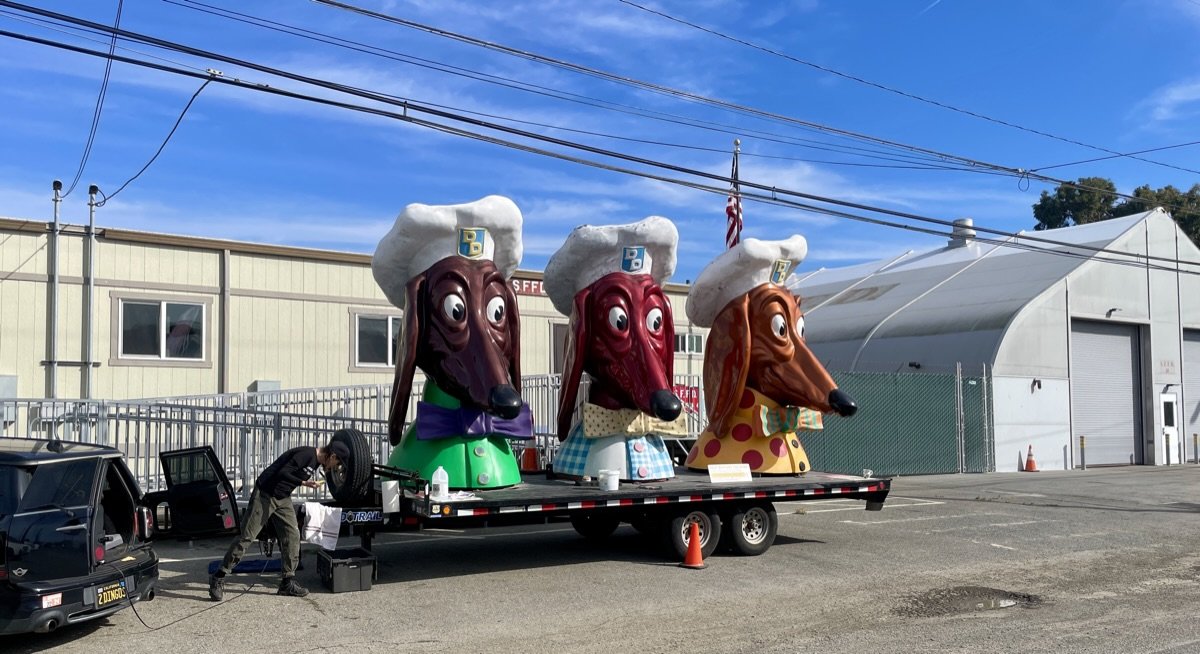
(689, 395)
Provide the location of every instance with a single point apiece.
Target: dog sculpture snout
(842, 403)
(505, 402)
(665, 405)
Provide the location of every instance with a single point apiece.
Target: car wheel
(350, 482)
(751, 529)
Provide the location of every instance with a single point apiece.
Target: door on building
(1170, 429)
(1190, 422)
(1106, 399)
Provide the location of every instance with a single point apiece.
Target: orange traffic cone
(1030, 464)
(694, 558)
(530, 460)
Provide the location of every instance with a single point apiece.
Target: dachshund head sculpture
(623, 336)
(607, 279)
(448, 268)
(462, 328)
(756, 343)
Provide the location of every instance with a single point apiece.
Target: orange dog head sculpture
(757, 334)
(607, 279)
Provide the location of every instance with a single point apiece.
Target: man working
(272, 500)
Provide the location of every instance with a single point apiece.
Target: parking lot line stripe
(932, 517)
(1003, 547)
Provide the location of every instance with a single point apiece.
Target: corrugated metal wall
(1191, 389)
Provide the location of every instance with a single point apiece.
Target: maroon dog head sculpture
(462, 328)
(623, 336)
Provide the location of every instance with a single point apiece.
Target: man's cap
(340, 450)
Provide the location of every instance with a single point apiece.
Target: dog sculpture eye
(654, 320)
(618, 319)
(800, 326)
(495, 310)
(454, 307)
(779, 325)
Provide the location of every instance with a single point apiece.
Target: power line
(1020, 173)
(1135, 258)
(1115, 156)
(906, 94)
(160, 147)
(91, 138)
(149, 40)
(545, 91)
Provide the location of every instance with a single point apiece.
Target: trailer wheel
(350, 482)
(679, 528)
(751, 529)
(594, 526)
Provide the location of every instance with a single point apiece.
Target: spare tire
(350, 482)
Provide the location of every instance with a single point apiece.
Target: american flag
(733, 208)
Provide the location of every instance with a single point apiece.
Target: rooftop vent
(964, 231)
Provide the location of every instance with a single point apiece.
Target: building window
(689, 344)
(162, 330)
(376, 339)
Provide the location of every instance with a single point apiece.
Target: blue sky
(247, 166)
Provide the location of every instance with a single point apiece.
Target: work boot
(216, 587)
(290, 588)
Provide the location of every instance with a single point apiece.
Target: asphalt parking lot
(1084, 561)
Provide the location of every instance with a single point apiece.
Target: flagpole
(733, 208)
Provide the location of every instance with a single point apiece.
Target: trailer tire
(751, 529)
(351, 482)
(595, 526)
(679, 527)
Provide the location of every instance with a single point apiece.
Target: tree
(1091, 199)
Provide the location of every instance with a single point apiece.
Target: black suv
(73, 535)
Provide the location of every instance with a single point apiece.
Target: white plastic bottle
(441, 484)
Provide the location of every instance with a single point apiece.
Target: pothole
(962, 599)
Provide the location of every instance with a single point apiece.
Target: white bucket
(610, 480)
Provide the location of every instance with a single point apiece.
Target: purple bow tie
(435, 422)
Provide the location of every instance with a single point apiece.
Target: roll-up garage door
(1191, 387)
(1106, 401)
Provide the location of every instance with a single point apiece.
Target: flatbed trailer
(739, 515)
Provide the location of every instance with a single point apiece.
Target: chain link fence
(908, 424)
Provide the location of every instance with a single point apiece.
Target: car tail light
(143, 523)
(99, 554)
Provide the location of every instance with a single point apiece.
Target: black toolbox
(345, 570)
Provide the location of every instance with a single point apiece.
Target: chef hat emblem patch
(471, 241)
(633, 259)
(779, 270)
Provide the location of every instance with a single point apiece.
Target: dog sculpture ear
(406, 363)
(573, 355)
(668, 352)
(514, 336)
(727, 364)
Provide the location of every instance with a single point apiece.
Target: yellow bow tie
(599, 422)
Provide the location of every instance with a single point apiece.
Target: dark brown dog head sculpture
(623, 336)
(462, 328)
(757, 341)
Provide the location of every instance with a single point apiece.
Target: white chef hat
(590, 252)
(739, 269)
(424, 234)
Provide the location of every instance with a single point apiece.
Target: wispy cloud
(1173, 103)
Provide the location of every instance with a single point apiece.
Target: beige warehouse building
(176, 315)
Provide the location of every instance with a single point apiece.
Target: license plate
(110, 594)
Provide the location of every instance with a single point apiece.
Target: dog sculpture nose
(665, 405)
(842, 402)
(505, 401)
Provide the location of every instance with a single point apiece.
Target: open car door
(199, 495)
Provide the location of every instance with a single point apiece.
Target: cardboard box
(346, 570)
